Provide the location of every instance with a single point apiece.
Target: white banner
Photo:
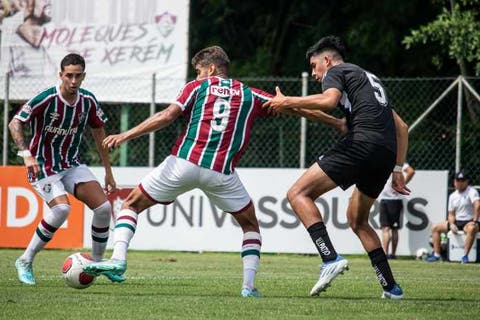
(193, 224)
(124, 43)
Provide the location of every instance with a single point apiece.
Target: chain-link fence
(276, 141)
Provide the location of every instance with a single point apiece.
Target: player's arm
(98, 135)
(398, 180)
(451, 221)
(476, 210)
(318, 115)
(16, 128)
(157, 121)
(327, 100)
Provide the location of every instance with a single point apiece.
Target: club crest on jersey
(54, 116)
(165, 23)
(47, 188)
(82, 116)
(223, 91)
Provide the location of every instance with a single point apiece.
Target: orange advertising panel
(21, 210)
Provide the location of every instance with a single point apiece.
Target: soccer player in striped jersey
(374, 147)
(220, 113)
(58, 117)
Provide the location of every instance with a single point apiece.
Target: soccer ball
(72, 270)
(421, 254)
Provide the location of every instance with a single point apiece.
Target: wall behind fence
(275, 141)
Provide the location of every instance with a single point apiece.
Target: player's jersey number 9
(221, 112)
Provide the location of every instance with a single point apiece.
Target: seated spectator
(463, 214)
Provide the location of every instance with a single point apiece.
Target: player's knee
(292, 195)
(61, 210)
(103, 210)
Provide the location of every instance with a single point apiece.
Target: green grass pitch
(183, 285)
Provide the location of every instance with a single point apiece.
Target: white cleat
(329, 271)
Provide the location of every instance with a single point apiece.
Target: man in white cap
(463, 215)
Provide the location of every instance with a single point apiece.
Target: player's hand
(33, 169)
(453, 228)
(342, 126)
(398, 183)
(113, 141)
(110, 185)
(277, 103)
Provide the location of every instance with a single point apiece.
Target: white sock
(252, 242)
(45, 230)
(100, 229)
(125, 228)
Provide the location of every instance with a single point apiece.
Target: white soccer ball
(72, 270)
(422, 253)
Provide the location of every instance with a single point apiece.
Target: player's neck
(70, 98)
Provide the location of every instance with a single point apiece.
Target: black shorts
(461, 224)
(390, 211)
(364, 164)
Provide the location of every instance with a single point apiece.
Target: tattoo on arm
(17, 132)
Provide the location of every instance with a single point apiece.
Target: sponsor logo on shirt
(223, 91)
(60, 131)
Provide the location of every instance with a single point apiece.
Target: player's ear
(212, 70)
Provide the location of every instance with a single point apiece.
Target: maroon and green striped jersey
(57, 127)
(220, 116)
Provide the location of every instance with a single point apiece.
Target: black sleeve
(333, 79)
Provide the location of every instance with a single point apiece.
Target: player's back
(220, 116)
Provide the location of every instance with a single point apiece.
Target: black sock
(382, 268)
(318, 233)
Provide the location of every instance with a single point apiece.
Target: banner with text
(21, 210)
(192, 223)
(123, 42)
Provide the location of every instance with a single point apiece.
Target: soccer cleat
(391, 256)
(465, 259)
(432, 258)
(107, 267)
(25, 272)
(394, 294)
(246, 292)
(114, 277)
(329, 271)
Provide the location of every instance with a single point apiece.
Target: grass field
(182, 285)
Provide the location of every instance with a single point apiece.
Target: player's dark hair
(212, 55)
(72, 59)
(329, 43)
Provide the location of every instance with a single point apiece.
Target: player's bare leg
(313, 183)
(357, 213)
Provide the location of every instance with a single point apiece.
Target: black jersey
(365, 104)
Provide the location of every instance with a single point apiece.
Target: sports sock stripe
(100, 230)
(251, 252)
(42, 236)
(47, 226)
(127, 218)
(251, 241)
(125, 225)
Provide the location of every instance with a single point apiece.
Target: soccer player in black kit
(374, 146)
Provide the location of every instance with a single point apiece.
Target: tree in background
(270, 38)
(457, 29)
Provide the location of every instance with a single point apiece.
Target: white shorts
(175, 176)
(59, 184)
